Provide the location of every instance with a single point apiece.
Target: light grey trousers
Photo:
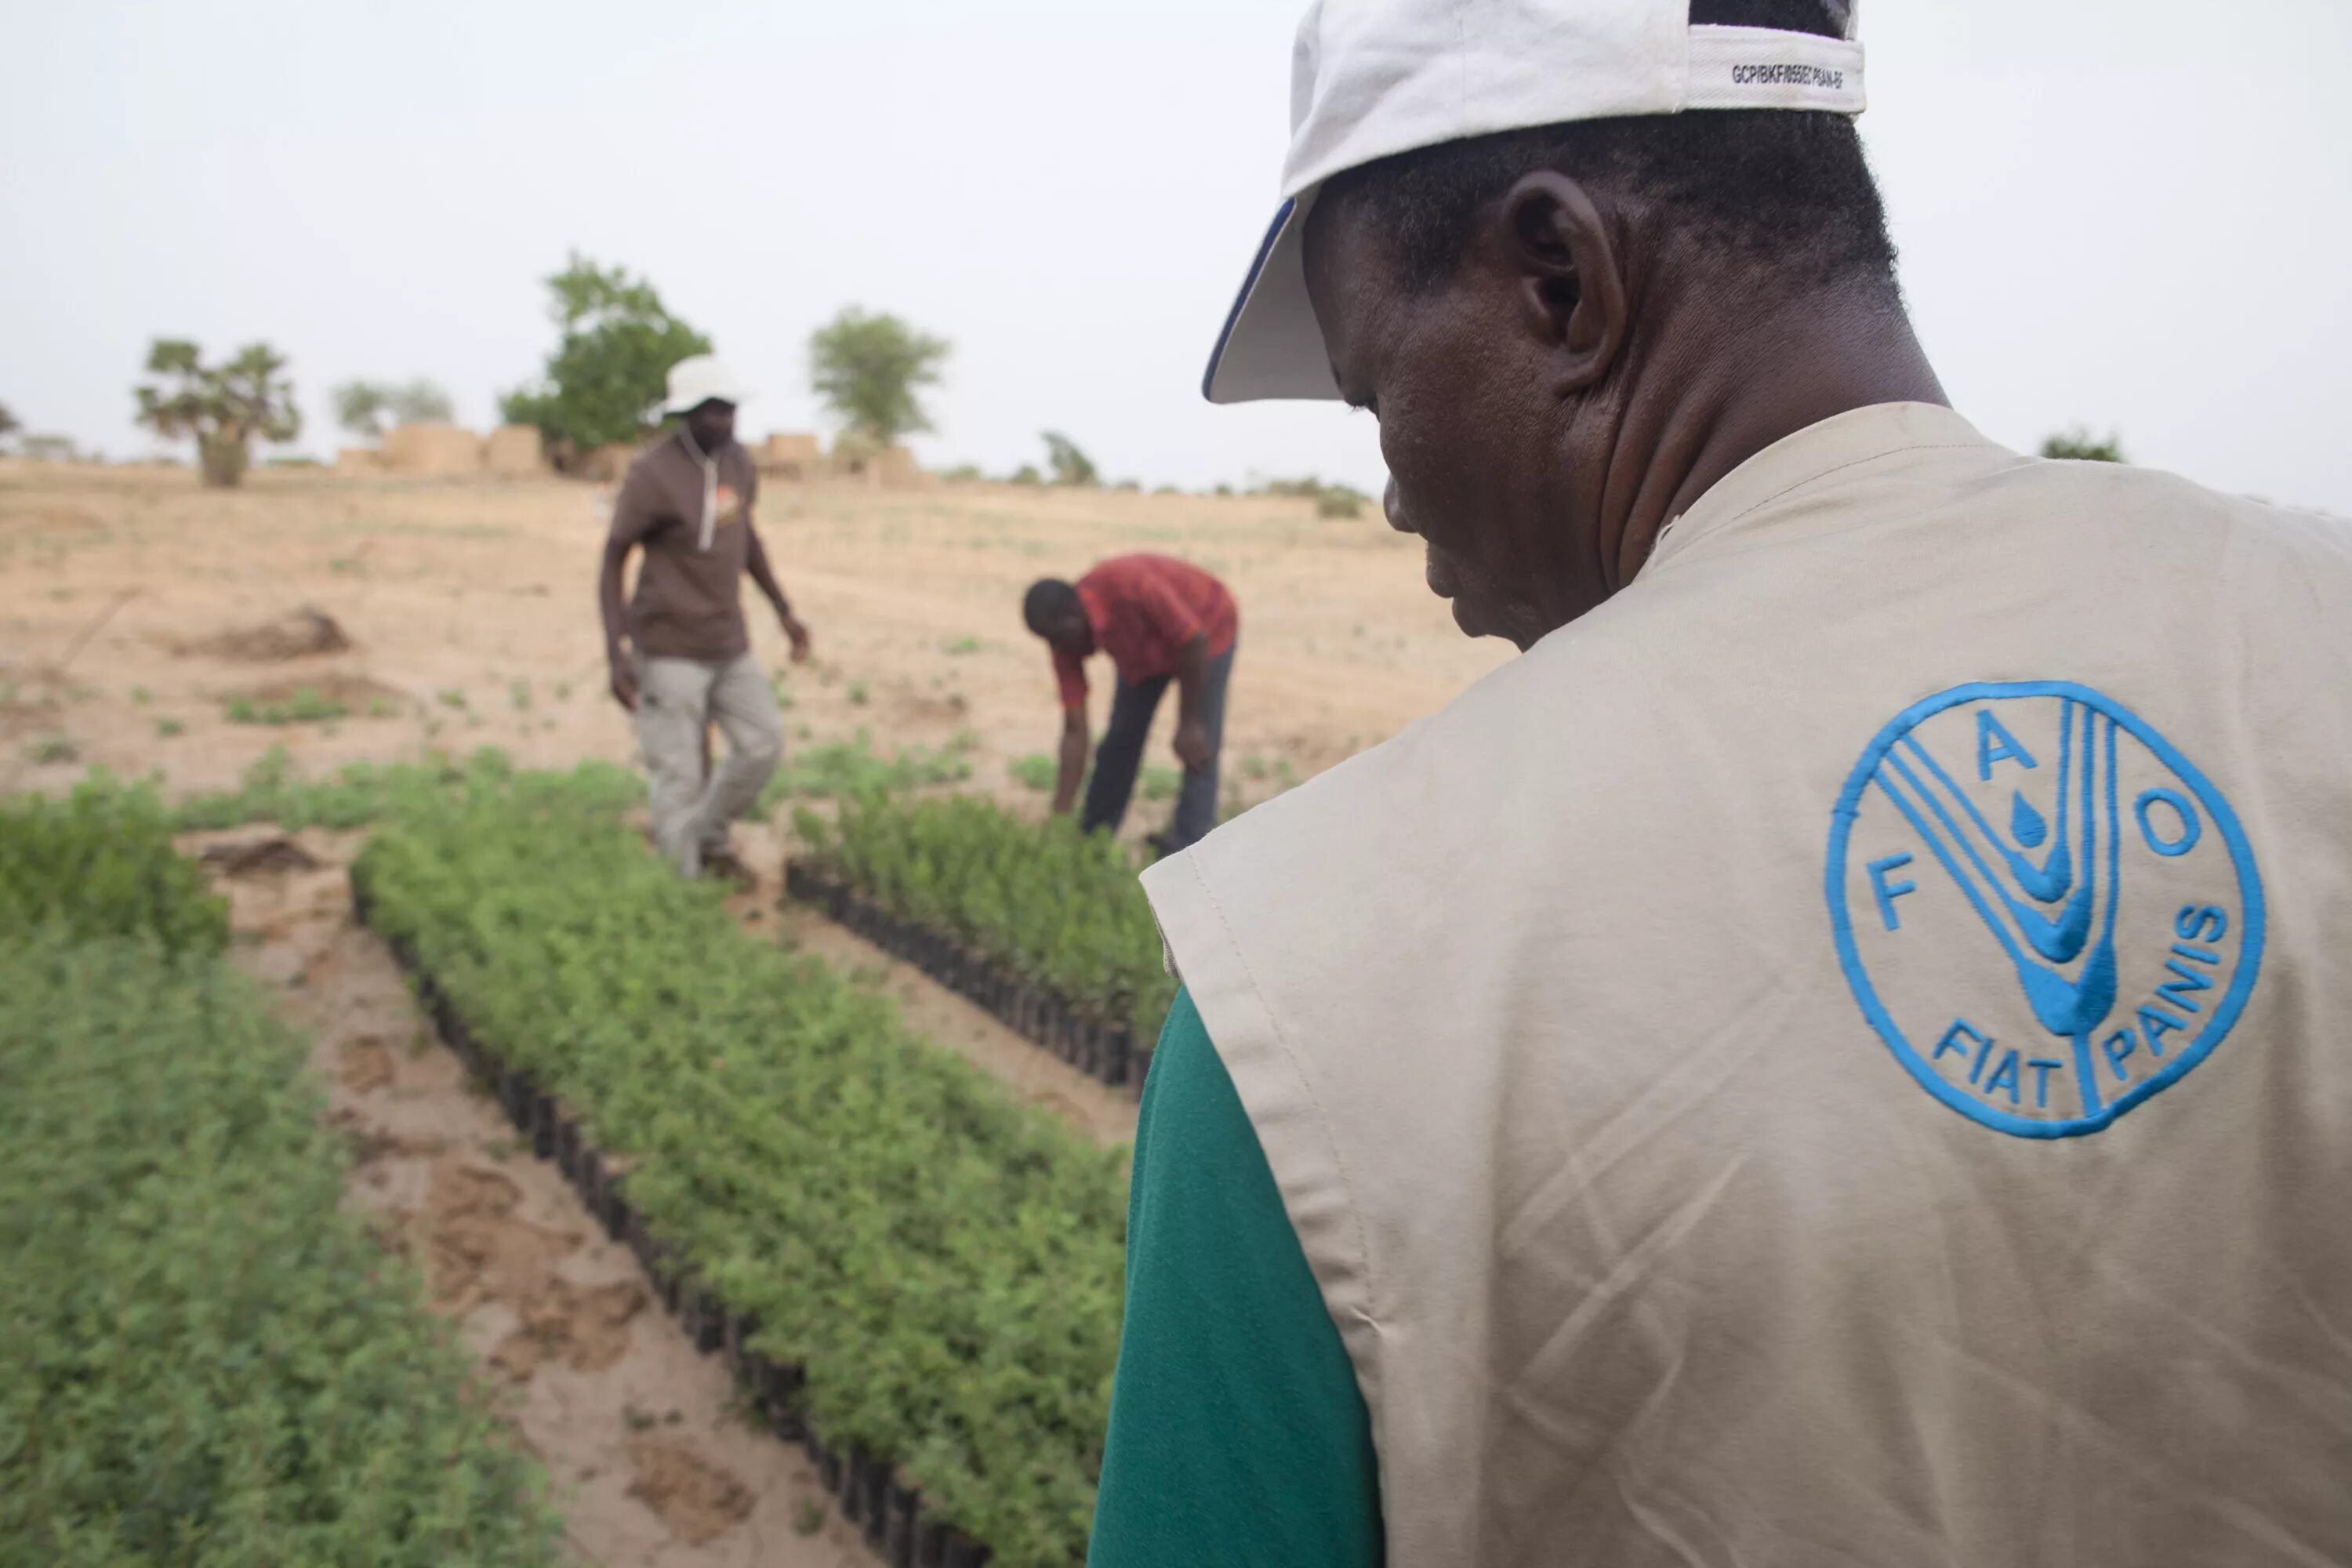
(676, 700)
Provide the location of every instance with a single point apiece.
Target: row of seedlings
(865, 1488)
(935, 1267)
(1043, 925)
(1108, 1051)
(211, 1358)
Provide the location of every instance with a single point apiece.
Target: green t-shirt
(1237, 1433)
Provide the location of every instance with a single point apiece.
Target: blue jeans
(1121, 752)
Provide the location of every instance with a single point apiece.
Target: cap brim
(1272, 345)
(738, 396)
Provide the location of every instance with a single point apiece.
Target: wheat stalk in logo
(2142, 995)
(2042, 912)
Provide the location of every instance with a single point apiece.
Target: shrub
(100, 863)
(2079, 445)
(1069, 464)
(1340, 501)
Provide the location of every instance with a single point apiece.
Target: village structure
(517, 451)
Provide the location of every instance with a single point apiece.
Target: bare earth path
(1036, 1076)
(650, 1468)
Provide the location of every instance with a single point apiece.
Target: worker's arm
(633, 518)
(1237, 1434)
(1070, 679)
(1071, 765)
(1192, 748)
(763, 577)
(608, 601)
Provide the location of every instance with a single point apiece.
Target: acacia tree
(612, 364)
(8, 426)
(364, 407)
(2078, 445)
(224, 406)
(866, 368)
(1070, 465)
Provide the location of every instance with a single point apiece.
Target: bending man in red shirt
(1157, 617)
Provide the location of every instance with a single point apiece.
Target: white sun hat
(1373, 77)
(700, 379)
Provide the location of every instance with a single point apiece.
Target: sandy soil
(637, 1431)
(469, 606)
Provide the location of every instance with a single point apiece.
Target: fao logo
(2045, 911)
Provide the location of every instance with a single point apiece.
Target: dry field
(470, 610)
(140, 613)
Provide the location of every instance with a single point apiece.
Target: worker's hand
(798, 633)
(1192, 748)
(624, 682)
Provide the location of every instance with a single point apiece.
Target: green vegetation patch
(306, 706)
(1036, 770)
(944, 1262)
(851, 767)
(209, 1363)
(363, 792)
(100, 863)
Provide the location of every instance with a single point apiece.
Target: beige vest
(1843, 1057)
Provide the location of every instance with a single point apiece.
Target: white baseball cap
(1373, 77)
(697, 380)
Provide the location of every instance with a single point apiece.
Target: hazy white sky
(2127, 213)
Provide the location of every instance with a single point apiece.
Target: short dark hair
(1048, 603)
(1788, 190)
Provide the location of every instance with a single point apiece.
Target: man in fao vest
(1841, 1052)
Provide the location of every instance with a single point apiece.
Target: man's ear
(1571, 294)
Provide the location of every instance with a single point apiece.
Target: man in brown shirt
(680, 651)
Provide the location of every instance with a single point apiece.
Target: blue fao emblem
(2044, 910)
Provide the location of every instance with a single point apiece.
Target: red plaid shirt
(1145, 608)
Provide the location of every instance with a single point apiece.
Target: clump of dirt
(476, 1248)
(305, 633)
(696, 1499)
(258, 856)
(587, 1327)
(369, 1144)
(367, 1065)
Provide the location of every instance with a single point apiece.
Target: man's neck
(1742, 382)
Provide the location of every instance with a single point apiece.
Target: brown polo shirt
(688, 600)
